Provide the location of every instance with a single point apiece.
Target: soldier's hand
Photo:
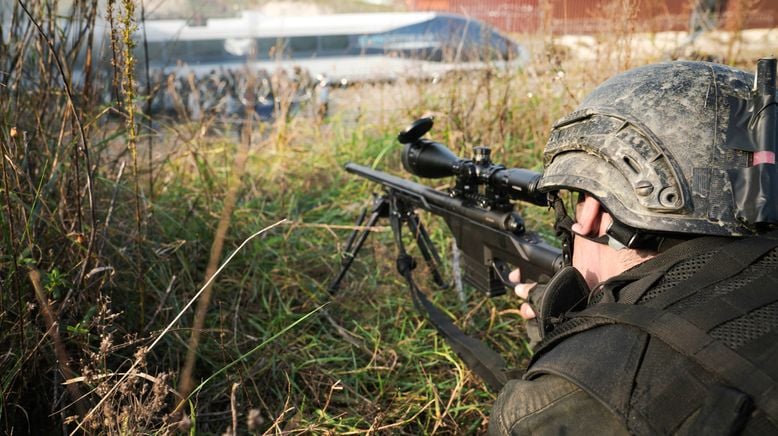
(522, 290)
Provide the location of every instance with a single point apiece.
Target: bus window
(156, 51)
(177, 51)
(409, 41)
(474, 45)
(271, 48)
(302, 45)
(401, 36)
(371, 41)
(503, 48)
(211, 50)
(334, 43)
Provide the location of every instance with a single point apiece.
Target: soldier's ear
(588, 214)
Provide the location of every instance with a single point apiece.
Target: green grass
(400, 373)
(394, 374)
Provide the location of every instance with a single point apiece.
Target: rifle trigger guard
(502, 271)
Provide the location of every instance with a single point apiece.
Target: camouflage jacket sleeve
(550, 405)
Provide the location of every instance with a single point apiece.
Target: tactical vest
(684, 343)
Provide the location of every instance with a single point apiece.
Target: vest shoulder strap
(689, 340)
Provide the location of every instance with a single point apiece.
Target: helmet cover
(658, 146)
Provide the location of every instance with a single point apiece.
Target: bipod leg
(353, 235)
(359, 236)
(427, 248)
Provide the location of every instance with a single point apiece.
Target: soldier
(171, 99)
(705, 15)
(322, 97)
(666, 319)
(193, 106)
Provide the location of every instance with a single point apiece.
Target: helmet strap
(623, 236)
(562, 227)
(617, 236)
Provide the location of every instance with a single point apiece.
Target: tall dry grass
(114, 223)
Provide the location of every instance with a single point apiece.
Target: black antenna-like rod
(766, 133)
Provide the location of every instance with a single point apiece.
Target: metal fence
(599, 16)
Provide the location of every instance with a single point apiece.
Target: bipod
(484, 361)
(423, 241)
(389, 206)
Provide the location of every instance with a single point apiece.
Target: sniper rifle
(478, 210)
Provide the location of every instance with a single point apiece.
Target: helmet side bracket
(631, 149)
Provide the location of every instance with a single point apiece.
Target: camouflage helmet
(664, 148)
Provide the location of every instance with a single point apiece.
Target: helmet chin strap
(563, 227)
(617, 236)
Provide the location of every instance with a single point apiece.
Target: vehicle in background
(343, 48)
(275, 66)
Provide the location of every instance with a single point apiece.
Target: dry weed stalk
(239, 165)
(149, 96)
(234, 409)
(84, 148)
(128, 91)
(735, 24)
(615, 50)
(52, 330)
(114, 41)
(140, 398)
(139, 360)
(88, 62)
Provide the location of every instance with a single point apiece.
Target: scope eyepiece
(522, 185)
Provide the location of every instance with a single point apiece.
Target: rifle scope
(489, 184)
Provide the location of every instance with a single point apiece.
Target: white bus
(342, 47)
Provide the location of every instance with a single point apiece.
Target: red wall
(594, 16)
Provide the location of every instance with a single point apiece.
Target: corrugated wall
(596, 16)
